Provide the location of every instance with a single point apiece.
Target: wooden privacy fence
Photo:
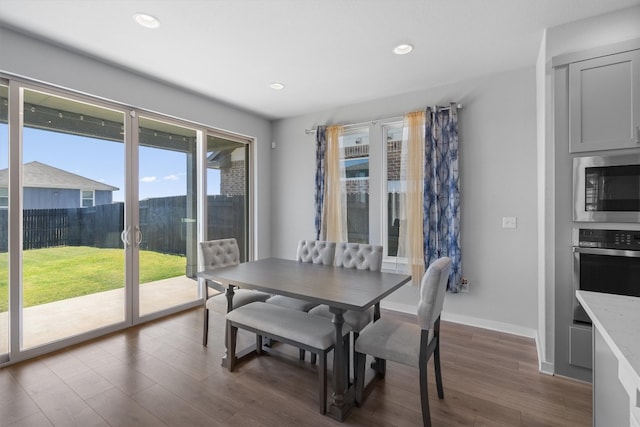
(97, 226)
(164, 222)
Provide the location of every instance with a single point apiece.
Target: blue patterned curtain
(442, 192)
(321, 148)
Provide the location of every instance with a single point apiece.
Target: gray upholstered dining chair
(409, 343)
(216, 254)
(362, 257)
(311, 251)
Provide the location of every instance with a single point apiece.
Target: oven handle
(611, 252)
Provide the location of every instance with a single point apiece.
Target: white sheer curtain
(411, 233)
(334, 213)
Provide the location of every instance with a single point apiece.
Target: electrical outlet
(509, 222)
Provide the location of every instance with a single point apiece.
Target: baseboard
(543, 367)
(492, 325)
(546, 368)
(402, 308)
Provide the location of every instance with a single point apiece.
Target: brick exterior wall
(232, 180)
(394, 149)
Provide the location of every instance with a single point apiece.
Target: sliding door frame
(16, 86)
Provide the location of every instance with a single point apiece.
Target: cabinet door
(604, 103)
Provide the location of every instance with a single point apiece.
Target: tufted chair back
(219, 253)
(432, 290)
(359, 255)
(316, 251)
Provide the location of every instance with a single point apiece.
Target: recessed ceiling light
(276, 86)
(146, 20)
(402, 49)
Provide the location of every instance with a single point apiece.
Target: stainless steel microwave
(606, 188)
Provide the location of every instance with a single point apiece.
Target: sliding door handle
(138, 234)
(124, 236)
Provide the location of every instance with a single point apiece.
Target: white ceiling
(328, 53)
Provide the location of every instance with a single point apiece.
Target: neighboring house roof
(39, 175)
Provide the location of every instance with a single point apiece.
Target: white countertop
(617, 318)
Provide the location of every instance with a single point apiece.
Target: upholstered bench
(312, 333)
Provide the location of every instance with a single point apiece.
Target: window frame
(83, 198)
(355, 131)
(384, 189)
(4, 198)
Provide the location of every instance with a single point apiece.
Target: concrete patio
(49, 322)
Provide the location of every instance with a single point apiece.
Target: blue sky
(162, 172)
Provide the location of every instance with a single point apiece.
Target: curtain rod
(373, 122)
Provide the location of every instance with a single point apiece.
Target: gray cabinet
(610, 399)
(604, 103)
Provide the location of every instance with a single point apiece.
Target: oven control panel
(609, 239)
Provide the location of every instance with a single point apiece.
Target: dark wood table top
(338, 287)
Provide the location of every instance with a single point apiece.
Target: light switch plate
(509, 222)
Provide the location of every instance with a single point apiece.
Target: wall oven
(605, 261)
(606, 188)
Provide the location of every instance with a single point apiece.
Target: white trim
(477, 322)
(508, 328)
(82, 198)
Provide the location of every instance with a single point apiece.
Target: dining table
(339, 288)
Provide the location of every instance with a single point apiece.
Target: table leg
(342, 398)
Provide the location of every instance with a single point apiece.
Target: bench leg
(313, 358)
(322, 382)
(258, 344)
(301, 354)
(232, 335)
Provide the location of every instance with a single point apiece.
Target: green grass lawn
(55, 274)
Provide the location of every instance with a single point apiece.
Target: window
(356, 166)
(88, 199)
(392, 135)
(4, 197)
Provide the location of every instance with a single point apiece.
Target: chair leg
(353, 358)
(232, 335)
(436, 364)
(346, 345)
(361, 360)
(322, 382)
(424, 394)
(205, 332)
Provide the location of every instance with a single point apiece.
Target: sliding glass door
(73, 175)
(101, 212)
(167, 206)
(228, 190)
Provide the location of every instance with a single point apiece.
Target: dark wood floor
(159, 374)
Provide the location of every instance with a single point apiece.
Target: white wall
(497, 127)
(25, 56)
